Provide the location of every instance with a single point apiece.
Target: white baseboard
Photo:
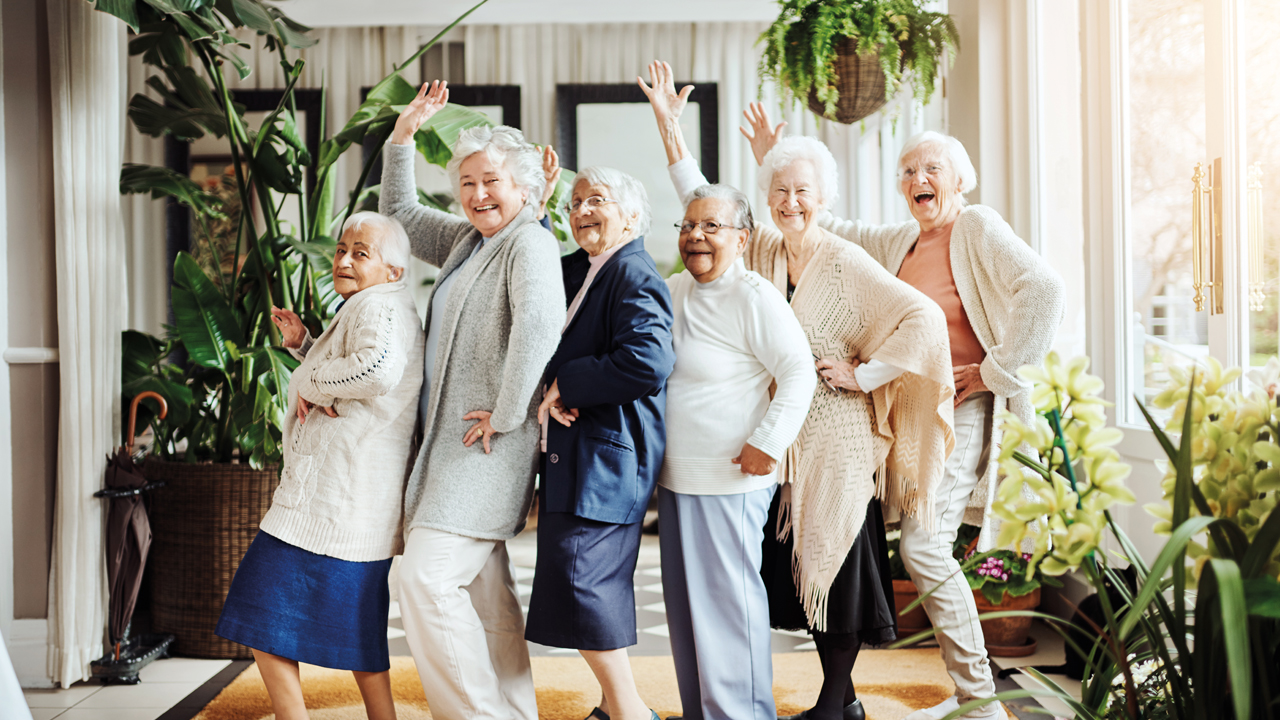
(29, 649)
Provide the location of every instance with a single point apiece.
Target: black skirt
(860, 602)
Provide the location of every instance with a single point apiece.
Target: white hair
(506, 147)
(790, 150)
(960, 161)
(741, 205)
(628, 192)
(393, 241)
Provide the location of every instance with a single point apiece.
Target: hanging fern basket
(860, 80)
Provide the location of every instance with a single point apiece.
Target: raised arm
(641, 360)
(667, 105)
(432, 233)
(373, 368)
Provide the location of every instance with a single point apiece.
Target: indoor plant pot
(203, 523)
(860, 81)
(1007, 636)
(905, 593)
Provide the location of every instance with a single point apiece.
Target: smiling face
(358, 262)
(707, 256)
(795, 197)
(597, 229)
(488, 194)
(930, 185)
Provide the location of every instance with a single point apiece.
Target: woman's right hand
(666, 102)
(292, 331)
(431, 98)
(762, 139)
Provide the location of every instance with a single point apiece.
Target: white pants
(463, 623)
(929, 561)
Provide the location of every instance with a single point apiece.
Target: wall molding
(6, 437)
(28, 643)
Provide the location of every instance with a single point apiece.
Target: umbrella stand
(128, 539)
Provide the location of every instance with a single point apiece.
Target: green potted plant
(1198, 636)
(221, 367)
(1000, 582)
(846, 58)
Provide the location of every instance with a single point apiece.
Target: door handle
(1207, 271)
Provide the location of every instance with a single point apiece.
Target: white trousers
(929, 561)
(462, 620)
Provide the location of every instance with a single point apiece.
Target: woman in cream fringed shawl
(884, 409)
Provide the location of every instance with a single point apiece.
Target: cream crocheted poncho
(850, 306)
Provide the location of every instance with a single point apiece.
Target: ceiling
(331, 13)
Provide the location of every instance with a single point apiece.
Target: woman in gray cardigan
(493, 322)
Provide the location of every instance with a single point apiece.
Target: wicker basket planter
(202, 522)
(860, 80)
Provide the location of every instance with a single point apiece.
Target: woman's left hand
(305, 406)
(480, 431)
(839, 373)
(551, 171)
(754, 461)
(968, 381)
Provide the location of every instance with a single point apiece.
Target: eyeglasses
(592, 202)
(709, 227)
(933, 170)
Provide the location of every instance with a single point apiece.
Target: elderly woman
(1003, 304)
(603, 413)
(735, 337)
(313, 585)
(881, 349)
(493, 322)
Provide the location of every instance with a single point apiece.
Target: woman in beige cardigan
(881, 349)
(1003, 304)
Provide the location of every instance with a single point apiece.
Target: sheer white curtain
(538, 57)
(86, 50)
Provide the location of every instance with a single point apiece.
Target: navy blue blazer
(612, 365)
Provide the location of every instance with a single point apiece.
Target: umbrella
(128, 528)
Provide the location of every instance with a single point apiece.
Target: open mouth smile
(923, 197)
(485, 208)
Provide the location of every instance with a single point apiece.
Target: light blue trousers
(717, 607)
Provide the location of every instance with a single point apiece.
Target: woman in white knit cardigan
(313, 585)
(1004, 304)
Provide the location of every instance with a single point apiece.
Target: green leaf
(1263, 546)
(1225, 576)
(293, 33)
(202, 317)
(170, 7)
(320, 249)
(254, 15)
(1173, 549)
(126, 10)
(436, 137)
(1262, 596)
(274, 170)
(152, 118)
(163, 182)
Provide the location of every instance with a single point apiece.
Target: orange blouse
(927, 268)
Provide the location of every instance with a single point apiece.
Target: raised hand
(431, 98)
(667, 103)
(292, 332)
(762, 139)
(551, 171)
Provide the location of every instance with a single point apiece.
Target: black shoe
(598, 714)
(852, 711)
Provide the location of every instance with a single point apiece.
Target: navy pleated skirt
(584, 594)
(311, 608)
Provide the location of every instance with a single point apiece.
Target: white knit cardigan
(1014, 301)
(343, 479)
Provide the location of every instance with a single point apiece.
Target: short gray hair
(960, 161)
(741, 205)
(393, 240)
(628, 192)
(506, 147)
(795, 148)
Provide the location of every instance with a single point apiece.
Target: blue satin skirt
(311, 608)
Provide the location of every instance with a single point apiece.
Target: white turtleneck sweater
(733, 337)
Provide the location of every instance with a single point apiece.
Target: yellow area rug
(891, 684)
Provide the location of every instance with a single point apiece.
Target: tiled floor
(177, 687)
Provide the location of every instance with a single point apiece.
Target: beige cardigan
(1014, 301)
(849, 306)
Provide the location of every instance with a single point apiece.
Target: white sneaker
(948, 706)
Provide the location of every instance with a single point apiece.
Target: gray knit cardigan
(502, 324)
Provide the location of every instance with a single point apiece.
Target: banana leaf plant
(221, 367)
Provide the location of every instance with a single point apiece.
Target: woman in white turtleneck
(734, 336)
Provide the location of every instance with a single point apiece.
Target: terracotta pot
(905, 593)
(1007, 636)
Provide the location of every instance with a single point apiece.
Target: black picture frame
(505, 96)
(177, 156)
(570, 96)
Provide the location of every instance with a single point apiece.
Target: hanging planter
(846, 58)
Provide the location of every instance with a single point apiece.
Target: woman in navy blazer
(603, 436)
